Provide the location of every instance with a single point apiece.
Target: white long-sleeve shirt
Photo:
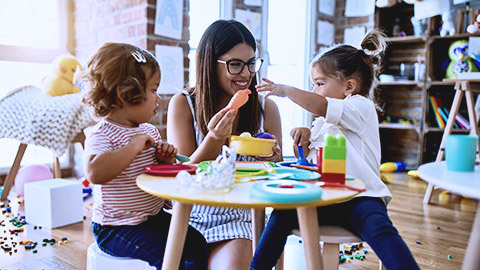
(356, 118)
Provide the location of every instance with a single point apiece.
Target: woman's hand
(300, 135)
(277, 155)
(165, 152)
(221, 124)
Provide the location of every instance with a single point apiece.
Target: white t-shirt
(120, 201)
(356, 118)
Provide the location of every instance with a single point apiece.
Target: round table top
(238, 196)
(465, 183)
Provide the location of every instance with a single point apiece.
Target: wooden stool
(332, 237)
(461, 86)
(12, 173)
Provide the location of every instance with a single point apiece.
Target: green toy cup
(460, 151)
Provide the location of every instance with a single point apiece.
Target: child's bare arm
(165, 152)
(102, 168)
(310, 101)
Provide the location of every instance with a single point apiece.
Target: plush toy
(475, 27)
(60, 80)
(448, 28)
(460, 61)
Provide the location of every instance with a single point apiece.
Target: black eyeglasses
(236, 66)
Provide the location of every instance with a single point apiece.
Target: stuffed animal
(475, 27)
(448, 28)
(460, 61)
(60, 80)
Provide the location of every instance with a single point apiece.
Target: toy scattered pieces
(352, 249)
(238, 99)
(449, 256)
(418, 242)
(413, 173)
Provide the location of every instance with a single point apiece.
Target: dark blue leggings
(365, 216)
(146, 241)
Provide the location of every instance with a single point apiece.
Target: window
(289, 53)
(202, 14)
(32, 34)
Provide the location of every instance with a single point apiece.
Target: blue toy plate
(297, 174)
(288, 163)
(286, 191)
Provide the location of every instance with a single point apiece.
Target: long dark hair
(219, 38)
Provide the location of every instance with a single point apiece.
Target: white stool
(332, 237)
(99, 260)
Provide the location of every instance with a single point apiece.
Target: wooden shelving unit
(418, 142)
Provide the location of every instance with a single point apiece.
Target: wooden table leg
(176, 235)
(448, 129)
(471, 260)
(309, 229)
(258, 224)
(12, 173)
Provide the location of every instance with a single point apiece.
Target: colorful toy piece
(238, 99)
(396, 166)
(334, 159)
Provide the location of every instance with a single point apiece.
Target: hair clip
(139, 57)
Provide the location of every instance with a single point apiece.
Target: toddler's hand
(272, 88)
(300, 135)
(141, 142)
(165, 152)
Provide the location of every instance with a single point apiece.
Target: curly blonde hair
(118, 71)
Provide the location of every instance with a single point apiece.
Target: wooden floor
(442, 228)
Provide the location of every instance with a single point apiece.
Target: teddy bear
(60, 80)
(448, 28)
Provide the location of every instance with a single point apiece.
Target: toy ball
(29, 174)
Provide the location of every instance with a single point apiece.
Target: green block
(334, 147)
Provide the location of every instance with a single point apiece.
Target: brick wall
(341, 22)
(129, 21)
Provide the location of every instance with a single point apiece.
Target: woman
(199, 125)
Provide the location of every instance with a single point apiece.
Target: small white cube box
(53, 203)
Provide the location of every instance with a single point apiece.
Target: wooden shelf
(399, 126)
(407, 39)
(400, 83)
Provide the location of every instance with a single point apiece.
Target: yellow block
(333, 166)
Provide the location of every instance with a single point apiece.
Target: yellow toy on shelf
(60, 80)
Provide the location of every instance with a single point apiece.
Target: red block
(334, 177)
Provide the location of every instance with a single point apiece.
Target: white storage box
(53, 203)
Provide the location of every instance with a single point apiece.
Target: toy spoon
(301, 158)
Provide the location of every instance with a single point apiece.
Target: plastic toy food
(246, 134)
(239, 99)
(263, 135)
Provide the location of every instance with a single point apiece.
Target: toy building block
(334, 159)
(53, 203)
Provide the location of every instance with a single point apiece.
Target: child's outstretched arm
(311, 102)
(165, 152)
(100, 169)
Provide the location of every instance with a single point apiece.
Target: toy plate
(286, 191)
(298, 174)
(288, 163)
(169, 169)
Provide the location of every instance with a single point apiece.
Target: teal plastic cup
(460, 151)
